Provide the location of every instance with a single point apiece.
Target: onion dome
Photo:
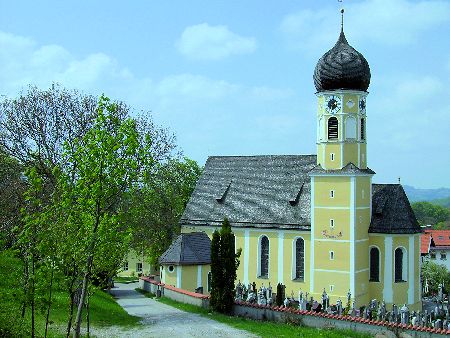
(342, 67)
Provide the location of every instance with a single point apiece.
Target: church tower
(341, 182)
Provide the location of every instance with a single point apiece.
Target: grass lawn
(265, 329)
(104, 310)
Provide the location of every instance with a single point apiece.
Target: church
(311, 222)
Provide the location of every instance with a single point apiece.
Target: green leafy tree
(428, 213)
(106, 161)
(224, 263)
(159, 203)
(435, 274)
(12, 188)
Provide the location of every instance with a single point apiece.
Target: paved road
(161, 320)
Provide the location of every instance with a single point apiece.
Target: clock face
(362, 104)
(333, 104)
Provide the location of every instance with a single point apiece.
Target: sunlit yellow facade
(337, 247)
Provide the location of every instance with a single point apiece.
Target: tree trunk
(25, 285)
(69, 322)
(87, 316)
(87, 275)
(32, 296)
(49, 304)
(76, 333)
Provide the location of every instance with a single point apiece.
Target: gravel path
(161, 320)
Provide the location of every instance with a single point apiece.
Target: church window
(331, 255)
(433, 255)
(125, 266)
(333, 128)
(209, 281)
(400, 265)
(350, 128)
(171, 268)
(300, 259)
(443, 256)
(264, 257)
(374, 265)
(331, 288)
(332, 156)
(331, 223)
(363, 129)
(139, 267)
(331, 193)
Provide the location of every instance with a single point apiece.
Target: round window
(171, 268)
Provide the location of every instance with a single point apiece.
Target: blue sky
(235, 77)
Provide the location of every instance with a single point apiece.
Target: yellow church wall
(350, 153)
(239, 236)
(362, 191)
(362, 221)
(346, 98)
(400, 293)
(340, 219)
(273, 256)
(325, 280)
(334, 148)
(170, 278)
(322, 254)
(189, 275)
(288, 254)
(376, 288)
(363, 155)
(320, 104)
(362, 288)
(361, 255)
(341, 187)
(417, 282)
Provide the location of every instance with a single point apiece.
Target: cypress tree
(224, 263)
(216, 271)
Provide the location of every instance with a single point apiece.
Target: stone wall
(292, 315)
(174, 293)
(323, 320)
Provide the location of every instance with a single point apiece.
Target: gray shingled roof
(274, 191)
(350, 168)
(188, 249)
(257, 191)
(391, 211)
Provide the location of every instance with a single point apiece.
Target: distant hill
(438, 196)
(443, 202)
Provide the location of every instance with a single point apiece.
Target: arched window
(363, 129)
(350, 128)
(333, 128)
(264, 257)
(374, 265)
(400, 265)
(300, 259)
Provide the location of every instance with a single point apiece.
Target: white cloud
(177, 100)
(205, 42)
(397, 22)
